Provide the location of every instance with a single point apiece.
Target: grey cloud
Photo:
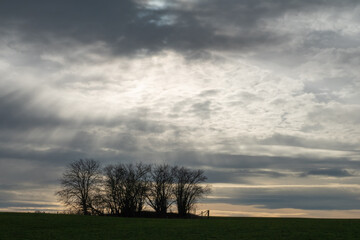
(331, 172)
(250, 97)
(93, 138)
(82, 140)
(127, 27)
(22, 112)
(209, 93)
(329, 39)
(348, 57)
(319, 198)
(123, 141)
(221, 167)
(202, 106)
(142, 125)
(288, 140)
(60, 156)
(311, 127)
(27, 126)
(202, 109)
(21, 173)
(327, 90)
(336, 114)
(27, 133)
(269, 173)
(248, 165)
(54, 156)
(239, 175)
(26, 206)
(20, 197)
(329, 84)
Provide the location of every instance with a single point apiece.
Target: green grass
(51, 226)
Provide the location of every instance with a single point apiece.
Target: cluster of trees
(125, 189)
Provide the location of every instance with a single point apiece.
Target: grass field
(51, 226)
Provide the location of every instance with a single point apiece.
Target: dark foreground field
(48, 226)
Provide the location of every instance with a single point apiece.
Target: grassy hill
(52, 226)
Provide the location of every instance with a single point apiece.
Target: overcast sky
(262, 95)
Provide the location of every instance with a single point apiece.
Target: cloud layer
(260, 95)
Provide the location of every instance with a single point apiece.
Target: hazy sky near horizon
(262, 95)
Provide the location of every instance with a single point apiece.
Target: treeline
(125, 189)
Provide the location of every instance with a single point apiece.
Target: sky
(264, 96)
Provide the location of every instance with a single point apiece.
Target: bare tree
(115, 187)
(126, 187)
(188, 189)
(81, 186)
(161, 188)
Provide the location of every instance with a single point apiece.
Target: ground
(58, 226)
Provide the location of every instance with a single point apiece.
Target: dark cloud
(18, 112)
(124, 25)
(240, 176)
(128, 26)
(232, 161)
(26, 173)
(223, 176)
(53, 155)
(331, 172)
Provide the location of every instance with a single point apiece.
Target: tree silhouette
(126, 188)
(81, 186)
(161, 188)
(188, 189)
